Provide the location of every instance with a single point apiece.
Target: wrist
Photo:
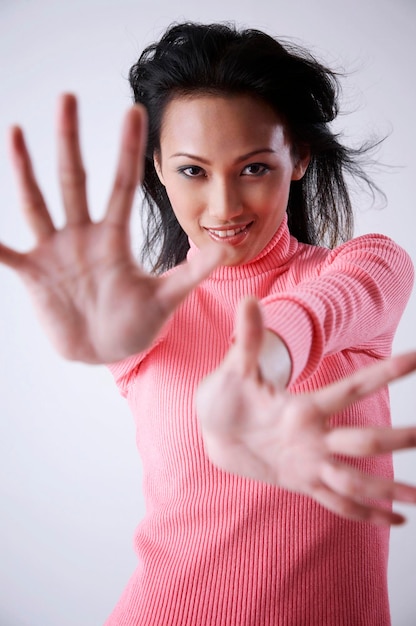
(274, 360)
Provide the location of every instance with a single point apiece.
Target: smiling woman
(257, 370)
(294, 89)
(216, 190)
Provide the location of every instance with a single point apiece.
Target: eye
(255, 169)
(192, 171)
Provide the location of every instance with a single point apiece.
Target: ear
(301, 162)
(158, 165)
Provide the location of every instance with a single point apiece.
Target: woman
(253, 513)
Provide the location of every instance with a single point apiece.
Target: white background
(70, 482)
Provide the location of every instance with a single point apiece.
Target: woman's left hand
(257, 430)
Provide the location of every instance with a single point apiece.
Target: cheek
(184, 207)
(186, 198)
(271, 199)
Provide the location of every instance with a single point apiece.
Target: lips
(227, 233)
(233, 236)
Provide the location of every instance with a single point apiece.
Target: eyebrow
(243, 157)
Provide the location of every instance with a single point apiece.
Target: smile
(231, 235)
(222, 234)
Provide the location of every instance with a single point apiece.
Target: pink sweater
(215, 549)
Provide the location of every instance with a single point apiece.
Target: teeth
(227, 233)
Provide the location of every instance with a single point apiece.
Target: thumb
(176, 286)
(249, 331)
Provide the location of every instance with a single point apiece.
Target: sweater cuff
(295, 326)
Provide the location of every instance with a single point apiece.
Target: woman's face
(227, 165)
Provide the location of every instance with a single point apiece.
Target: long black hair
(219, 59)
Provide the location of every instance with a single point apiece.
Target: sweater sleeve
(354, 301)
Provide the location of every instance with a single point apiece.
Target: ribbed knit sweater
(215, 549)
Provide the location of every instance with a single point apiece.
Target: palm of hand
(83, 282)
(262, 432)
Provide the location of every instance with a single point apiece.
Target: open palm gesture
(256, 430)
(96, 304)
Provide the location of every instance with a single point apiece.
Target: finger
(350, 482)
(71, 170)
(11, 258)
(33, 204)
(370, 441)
(249, 333)
(364, 382)
(174, 287)
(130, 165)
(351, 509)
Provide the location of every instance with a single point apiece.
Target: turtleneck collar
(281, 247)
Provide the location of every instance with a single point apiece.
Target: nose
(225, 202)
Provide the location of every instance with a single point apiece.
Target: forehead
(197, 122)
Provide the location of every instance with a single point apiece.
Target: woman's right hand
(95, 303)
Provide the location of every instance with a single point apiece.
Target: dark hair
(218, 59)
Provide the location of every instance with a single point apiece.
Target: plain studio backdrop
(70, 476)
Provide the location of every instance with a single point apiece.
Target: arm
(355, 300)
(95, 303)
